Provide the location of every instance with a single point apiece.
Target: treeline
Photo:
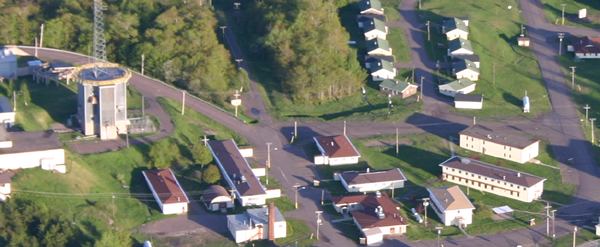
(178, 38)
(306, 47)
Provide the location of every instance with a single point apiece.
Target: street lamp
(439, 232)
(318, 222)
(297, 187)
(561, 36)
(562, 5)
(425, 204)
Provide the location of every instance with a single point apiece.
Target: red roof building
(336, 150)
(167, 191)
(586, 48)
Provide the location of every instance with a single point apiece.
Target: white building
(238, 174)
(464, 68)
(523, 41)
(22, 150)
(372, 7)
(460, 86)
(355, 181)
(459, 47)
(380, 69)
(378, 47)
(216, 198)
(5, 184)
(464, 101)
(167, 191)
(7, 113)
(257, 224)
(452, 206)
(335, 150)
(8, 64)
(375, 215)
(373, 28)
(500, 143)
(493, 179)
(455, 28)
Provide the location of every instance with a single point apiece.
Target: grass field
(419, 156)
(553, 11)
(493, 33)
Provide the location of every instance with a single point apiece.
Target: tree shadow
(139, 190)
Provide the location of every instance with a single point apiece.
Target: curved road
(290, 166)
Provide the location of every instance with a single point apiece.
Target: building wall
(453, 217)
(452, 93)
(410, 91)
(469, 74)
(382, 74)
(343, 160)
(174, 208)
(373, 186)
(587, 55)
(491, 148)
(468, 105)
(492, 185)
(257, 200)
(7, 118)
(32, 159)
(381, 52)
(456, 33)
(376, 34)
(372, 12)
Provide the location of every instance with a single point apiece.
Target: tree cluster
(308, 48)
(178, 38)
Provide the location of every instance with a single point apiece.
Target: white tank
(526, 104)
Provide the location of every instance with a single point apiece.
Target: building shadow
(434, 125)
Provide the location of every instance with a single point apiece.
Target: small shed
(464, 101)
(523, 41)
(217, 198)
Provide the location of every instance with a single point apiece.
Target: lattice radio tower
(99, 41)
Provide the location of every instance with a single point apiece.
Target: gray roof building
(464, 64)
(375, 64)
(375, 44)
(455, 23)
(458, 44)
(395, 85)
(459, 84)
(366, 5)
(370, 23)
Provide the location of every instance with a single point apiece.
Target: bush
(211, 174)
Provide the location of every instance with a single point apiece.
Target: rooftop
(502, 136)
(337, 146)
(367, 217)
(587, 45)
(252, 217)
(376, 43)
(468, 97)
(213, 192)
(370, 4)
(492, 171)
(464, 64)
(164, 183)
(472, 58)
(459, 84)
(395, 85)
(236, 167)
(104, 74)
(460, 43)
(455, 23)
(371, 23)
(355, 177)
(450, 198)
(23, 142)
(376, 64)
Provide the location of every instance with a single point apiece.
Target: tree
(114, 239)
(211, 174)
(163, 153)
(201, 154)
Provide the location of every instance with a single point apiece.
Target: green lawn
(419, 156)
(553, 11)
(583, 236)
(493, 32)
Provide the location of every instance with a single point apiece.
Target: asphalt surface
(291, 166)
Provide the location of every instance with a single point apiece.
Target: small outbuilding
(395, 87)
(464, 68)
(216, 198)
(8, 64)
(523, 40)
(464, 101)
(335, 150)
(452, 206)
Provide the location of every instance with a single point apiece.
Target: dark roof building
(501, 136)
(371, 7)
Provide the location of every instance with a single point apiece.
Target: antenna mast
(99, 41)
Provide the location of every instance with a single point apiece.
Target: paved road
(291, 167)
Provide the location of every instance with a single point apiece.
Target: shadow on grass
(59, 101)
(434, 125)
(139, 189)
(508, 97)
(360, 109)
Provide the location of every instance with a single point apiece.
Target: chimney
(368, 169)
(332, 144)
(380, 212)
(271, 221)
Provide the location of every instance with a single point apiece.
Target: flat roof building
(466, 101)
(22, 150)
(355, 181)
(501, 143)
(167, 191)
(336, 150)
(493, 179)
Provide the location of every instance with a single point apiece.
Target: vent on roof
(378, 194)
(243, 179)
(446, 200)
(503, 177)
(379, 212)
(518, 174)
(465, 161)
(489, 136)
(178, 199)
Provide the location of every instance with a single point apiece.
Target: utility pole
(127, 135)
(344, 127)
(425, 204)
(574, 236)
(223, 31)
(561, 36)
(143, 58)
(35, 52)
(322, 196)
(397, 143)
(268, 162)
(297, 187)
(318, 222)
(553, 212)
(547, 207)
(422, 78)
(439, 232)
(592, 120)
(182, 102)
(236, 95)
(428, 30)
(562, 5)
(14, 101)
(143, 107)
(587, 108)
(419, 4)
(42, 35)
(494, 74)
(295, 129)
(474, 120)
(573, 76)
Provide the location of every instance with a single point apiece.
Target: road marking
(283, 175)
